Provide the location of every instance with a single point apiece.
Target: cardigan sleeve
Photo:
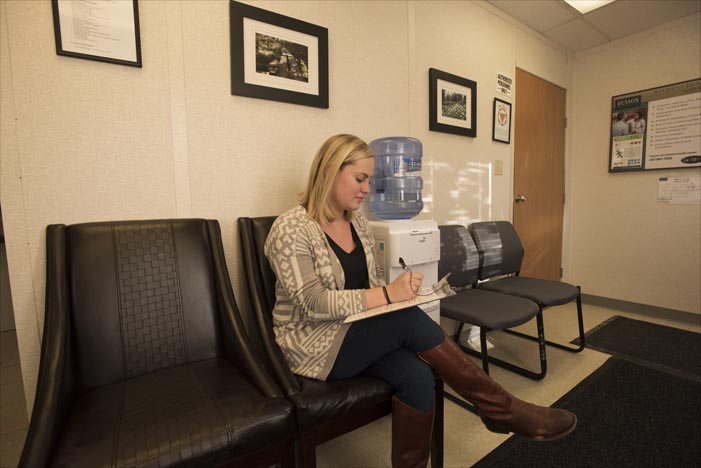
(302, 266)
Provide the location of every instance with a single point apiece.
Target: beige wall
(85, 141)
(623, 244)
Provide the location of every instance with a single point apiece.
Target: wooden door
(539, 173)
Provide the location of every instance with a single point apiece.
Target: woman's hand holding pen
(405, 286)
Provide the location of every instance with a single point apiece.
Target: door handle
(519, 198)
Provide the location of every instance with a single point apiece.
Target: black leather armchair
(144, 360)
(324, 410)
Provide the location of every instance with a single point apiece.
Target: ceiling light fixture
(585, 6)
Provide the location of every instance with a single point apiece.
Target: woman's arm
(401, 289)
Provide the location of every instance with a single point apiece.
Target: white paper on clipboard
(439, 291)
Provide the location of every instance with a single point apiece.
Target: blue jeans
(385, 347)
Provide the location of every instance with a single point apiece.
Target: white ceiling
(576, 32)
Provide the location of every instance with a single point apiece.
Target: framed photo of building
(452, 102)
(278, 58)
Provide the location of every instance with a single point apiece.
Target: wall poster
(657, 128)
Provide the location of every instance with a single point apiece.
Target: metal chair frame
(540, 338)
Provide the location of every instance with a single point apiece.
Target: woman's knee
(423, 332)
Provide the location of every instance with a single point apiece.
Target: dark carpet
(628, 416)
(664, 348)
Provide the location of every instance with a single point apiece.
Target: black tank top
(355, 269)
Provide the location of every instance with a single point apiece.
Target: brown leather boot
(500, 411)
(411, 435)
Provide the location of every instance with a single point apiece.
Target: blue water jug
(396, 184)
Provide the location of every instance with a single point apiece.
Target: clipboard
(435, 293)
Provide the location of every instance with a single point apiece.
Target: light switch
(499, 167)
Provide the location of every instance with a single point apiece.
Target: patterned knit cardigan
(310, 301)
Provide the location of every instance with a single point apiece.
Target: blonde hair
(335, 153)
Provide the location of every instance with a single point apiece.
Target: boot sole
(539, 438)
(558, 436)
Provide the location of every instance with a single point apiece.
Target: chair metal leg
(456, 336)
(460, 402)
(509, 366)
(449, 396)
(512, 367)
(437, 442)
(486, 358)
(483, 345)
(580, 323)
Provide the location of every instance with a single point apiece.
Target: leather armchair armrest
(56, 382)
(237, 347)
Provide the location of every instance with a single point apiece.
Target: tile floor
(466, 440)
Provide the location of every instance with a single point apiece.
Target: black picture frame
(501, 123)
(117, 52)
(458, 104)
(295, 68)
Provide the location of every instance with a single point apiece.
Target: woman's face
(351, 185)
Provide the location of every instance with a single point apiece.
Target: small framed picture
(501, 126)
(278, 58)
(103, 31)
(452, 102)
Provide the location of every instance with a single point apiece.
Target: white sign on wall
(679, 190)
(504, 84)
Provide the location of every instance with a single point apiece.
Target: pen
(401, 262)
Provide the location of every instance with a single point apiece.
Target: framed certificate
(103, 31)
(501, 126)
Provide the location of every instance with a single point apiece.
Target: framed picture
(656, 128)
(278, 58)
(103, 31)
(501, 126)
(452, 104)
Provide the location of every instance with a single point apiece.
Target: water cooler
(395, 198)
(418, 243)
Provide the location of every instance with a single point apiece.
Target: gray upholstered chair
(144, 360)
(487, 309)
(501, 253)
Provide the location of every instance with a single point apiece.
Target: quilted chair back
(142, 296)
